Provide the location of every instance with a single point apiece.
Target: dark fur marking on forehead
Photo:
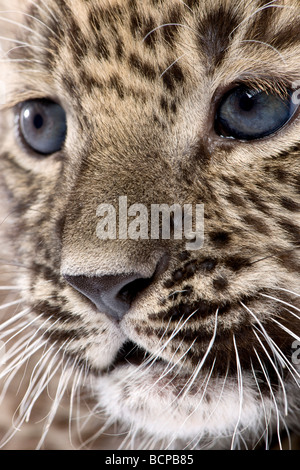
(68, 84)
(214, 33)
(150, 40)
(89, 82)
(164, 105)
(116, 83)
(95, 18)
(288, 36)
(136, 22)
(144, 68)
(142, 28)
(173, 77)
(120, 49)
(101, 49)
(261, 24)
(170, 31)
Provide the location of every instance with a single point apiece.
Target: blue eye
(43, 126)
(248, 114)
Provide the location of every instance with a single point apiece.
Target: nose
(112, 295)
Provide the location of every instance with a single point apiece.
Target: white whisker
(77, 381)
(65, 377)
(246, 20)
(287, 330)
(173, 364)
(240, 388)
(21, 61)
(286, 363)
(267, 419)
(156, 354)
(280, 301)
(183, 3)
(196, 372)
(287, 290)
(272, 395)
(17, 346)
(12, 330)
(13, 319)
(277, 373)
(19, 360)
(198, 438)
(255, 41)
(266, 335)
(168, 68)
(11, 304)
(28, 324)
(22, 26)
(34, 393)
(165, 25)
(9, 287)
(204, 385)
(38, 369)
(44, 11)
(27, 15)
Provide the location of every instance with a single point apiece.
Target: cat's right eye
(249, 114)
(42, 126)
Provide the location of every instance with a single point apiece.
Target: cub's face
(187, 321)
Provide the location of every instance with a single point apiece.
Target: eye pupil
(247, 103)
(43, 126)
(38, 121)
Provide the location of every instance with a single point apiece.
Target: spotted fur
(140, 82)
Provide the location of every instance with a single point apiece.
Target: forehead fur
(258, 39)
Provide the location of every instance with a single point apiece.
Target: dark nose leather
(112, 295)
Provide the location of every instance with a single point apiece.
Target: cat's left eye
(249, 114)
(42, 126)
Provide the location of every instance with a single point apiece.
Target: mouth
(130, 354)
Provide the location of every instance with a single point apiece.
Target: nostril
(129, 292)
(112, 295)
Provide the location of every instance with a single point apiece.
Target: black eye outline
(48, 114)
(226, 131)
